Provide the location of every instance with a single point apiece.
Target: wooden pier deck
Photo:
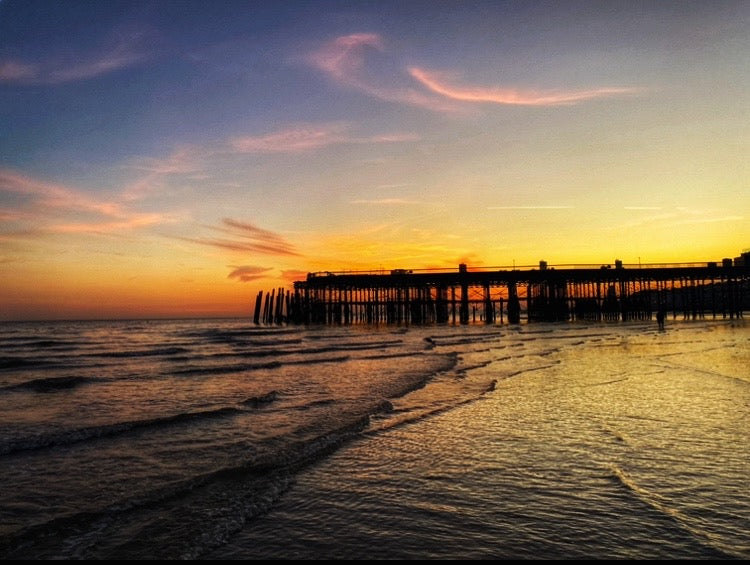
(513, 295)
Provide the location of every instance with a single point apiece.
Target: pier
(539, 293)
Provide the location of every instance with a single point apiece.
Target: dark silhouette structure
(502, 295)
(660, 316)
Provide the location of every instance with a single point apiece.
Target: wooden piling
(549, 294)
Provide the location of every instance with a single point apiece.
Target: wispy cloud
(117, 59)
(439, 83)
(52, 195)
(185, 160)
(247, 273)
(291, 140)
(308, 137)
(130, 222)
(350, 60)
(530, 207)
(46, 206)
(344, 59)
(386, 202)
(10, 215)
(15, 71)
(254, 233)
(247, 238)
(125, 53)
(392, 185)
(642, 207)
(679, 216)
(388, 138)
(719, 219)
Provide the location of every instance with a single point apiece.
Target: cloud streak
(345, 60)
(679, 217)
(292, 140)
(131, 222)
(46, 204)
(530, 207)
(248, 238)
(343, 57)
(721, 219)
(107, 63)
(184, 160)
(50, 195)
(308, 137)
(386, 202)
(247, 273)
(48, 208)
(124, 54)
(437, 83)
(41, 206)
(14, 71)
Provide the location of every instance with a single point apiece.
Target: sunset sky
(173, 158)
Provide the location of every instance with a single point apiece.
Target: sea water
(218, 439)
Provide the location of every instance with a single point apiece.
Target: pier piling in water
(543, 294)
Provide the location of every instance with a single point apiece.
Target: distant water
(219, 439)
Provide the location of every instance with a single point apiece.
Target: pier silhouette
(539, 293)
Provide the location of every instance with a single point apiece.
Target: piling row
(510, 296)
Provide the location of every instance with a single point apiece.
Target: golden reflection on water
(633, 445)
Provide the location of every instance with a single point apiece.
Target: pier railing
(484, 268)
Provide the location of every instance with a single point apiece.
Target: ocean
(219, 439)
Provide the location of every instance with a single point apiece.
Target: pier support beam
(464, 315)
(514, 304)
(489, 308)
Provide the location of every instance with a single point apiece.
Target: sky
(172, 158)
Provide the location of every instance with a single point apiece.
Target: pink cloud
(392, 138)
(307, 137)
(13, 71)
(344, 60)
(10, 215)
(386, 202)
(132, 221)
(303, 138)
(52, 195)
(126, 52)
(343, 57)
(184, 160)
(438, 83)
(107, 63)
(247, 238)
(247, 273)
(46, 202)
